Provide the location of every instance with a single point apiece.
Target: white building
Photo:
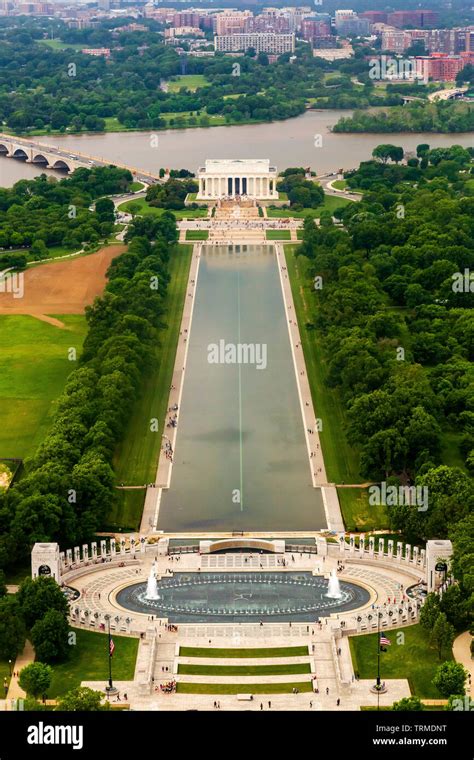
(251, 177)
(262, 42)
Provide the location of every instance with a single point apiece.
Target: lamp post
(10, 667)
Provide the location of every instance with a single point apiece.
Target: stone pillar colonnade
(213, 186)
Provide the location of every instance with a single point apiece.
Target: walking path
(311, 422)
(462, 654)
(23, 659)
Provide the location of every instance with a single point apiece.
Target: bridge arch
(60, 165)
(40, 159)
(20, 154)
(4, 150)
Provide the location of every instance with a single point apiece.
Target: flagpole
(110, 689)
(378, 660)
(111, 686)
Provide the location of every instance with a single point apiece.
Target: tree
(442, 634)
(387, 151)
(429, 612)
(39, 250)
(450, 678)
(12, 628)
(35, 679)
(36, 597)
(454, 603)
(408, 704)
(82, 699)
(3, 585)
(105, 209)
(50, 637)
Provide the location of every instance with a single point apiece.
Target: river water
(240, 459)
(286, 143)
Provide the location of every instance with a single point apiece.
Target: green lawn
(59, 45)
(244, 670)
(136, 457)
(339, 184)
(243, 688)
(341, 459)
(135, 187)
(358, 514)
(247, 653)
(278, 234)
(189, 81)
(89, 661)
(330, 203)
(414, 660)
(34, 366)
(197, 234)
(140, 206)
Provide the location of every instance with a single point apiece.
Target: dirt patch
(63, 287)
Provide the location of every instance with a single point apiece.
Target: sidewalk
(24, 658)
(462, 654)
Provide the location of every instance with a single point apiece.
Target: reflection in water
(240, 460)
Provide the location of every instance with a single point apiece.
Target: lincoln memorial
(228, 178)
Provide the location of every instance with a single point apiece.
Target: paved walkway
(462, 654)
(312, 424)
(23, 659)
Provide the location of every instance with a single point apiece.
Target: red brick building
(412, 18)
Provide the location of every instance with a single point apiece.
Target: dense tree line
(44, 212)
(171, 194)
(69, 485)
(398, 335)
(302, 193)
(441, 116)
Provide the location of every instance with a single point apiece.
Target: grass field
(89, 661)
(243, 688)
(330, 203)
(413, 659)
(278, 234)
(244, 670)
(140, 206)
(197, 234)
(137, 456)
(358, 514)
(341, 459)
(189, 81)
(247, 653)
(33, 370)
(59, 45)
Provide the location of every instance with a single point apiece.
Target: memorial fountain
(152, 585)
(334, 587)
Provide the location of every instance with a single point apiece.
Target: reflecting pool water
(240, 461)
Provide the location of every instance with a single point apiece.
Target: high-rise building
(413, 18)
(395, 40)
(311, 28)
(260, 42)
(232, 22)
(375, 17)
(442, 67)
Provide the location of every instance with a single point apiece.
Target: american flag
(111, 647)
(385, 642)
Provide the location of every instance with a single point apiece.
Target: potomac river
(286, 143)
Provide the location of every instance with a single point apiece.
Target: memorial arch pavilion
(231, 178)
